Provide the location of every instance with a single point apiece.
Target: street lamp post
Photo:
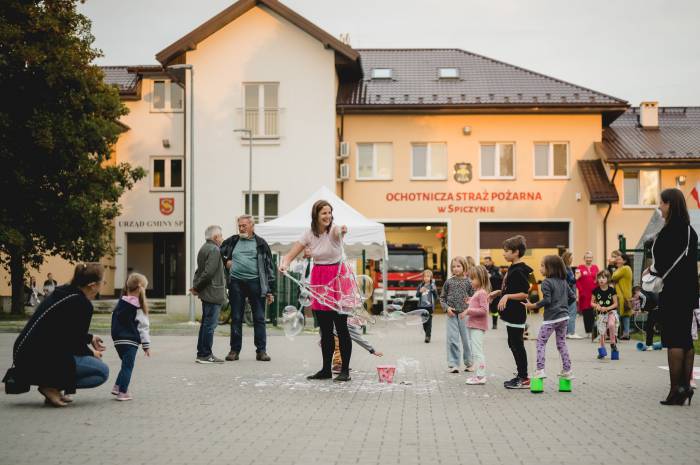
(250, 168)
(191, 191)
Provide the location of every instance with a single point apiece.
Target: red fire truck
(406, 265)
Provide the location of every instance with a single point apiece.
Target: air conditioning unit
(344, 172)
(344, 151)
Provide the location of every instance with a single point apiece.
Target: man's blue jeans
(90, 371)
(210, 320)
(238, 291)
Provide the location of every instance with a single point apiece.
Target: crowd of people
(56, 352)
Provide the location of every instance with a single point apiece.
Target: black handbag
(13, 384)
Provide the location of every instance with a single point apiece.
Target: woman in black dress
(680, 292)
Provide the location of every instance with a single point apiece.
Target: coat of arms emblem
(167, 205)
(463, 172)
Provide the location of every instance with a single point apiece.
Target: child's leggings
(546, 330)
(476, 339)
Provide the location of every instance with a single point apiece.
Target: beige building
(453, 151)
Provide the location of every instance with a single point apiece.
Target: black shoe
(676, 397)
(262, 357)
(320, 375)
(233, 355)
(343, 376)
(427, 339)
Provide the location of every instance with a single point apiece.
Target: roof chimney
(649, 115)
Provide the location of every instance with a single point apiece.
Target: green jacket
(210, 278)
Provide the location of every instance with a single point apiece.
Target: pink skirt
(329, 286)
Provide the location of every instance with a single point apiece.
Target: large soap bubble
(416, 317)
(365, 286)
(304, 298)
(292, 321)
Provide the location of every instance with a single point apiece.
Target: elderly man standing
(251, 275)
(210, 285)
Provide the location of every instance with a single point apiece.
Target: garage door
(538, 235)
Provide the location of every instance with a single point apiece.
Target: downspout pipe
(341, 133)
(607, 213)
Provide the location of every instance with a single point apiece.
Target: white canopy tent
(363, 234)
(365, 238)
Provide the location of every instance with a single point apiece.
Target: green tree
(58, 123)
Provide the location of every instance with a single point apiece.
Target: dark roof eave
(656, 160)
(480, 108)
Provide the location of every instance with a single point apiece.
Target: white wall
(141, 205)
(260, 46)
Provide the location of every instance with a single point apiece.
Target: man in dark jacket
(210, 285)
(251, 276)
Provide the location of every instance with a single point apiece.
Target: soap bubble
(365, 286)
(416, 317)
(304, 298)
(407, 365)
(292, 321)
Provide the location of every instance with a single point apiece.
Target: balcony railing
(267, 126)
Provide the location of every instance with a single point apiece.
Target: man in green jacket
(210, 285)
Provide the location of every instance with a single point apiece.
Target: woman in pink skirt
(323, 242)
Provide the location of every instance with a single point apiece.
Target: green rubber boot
(536, 385)
(564, 385)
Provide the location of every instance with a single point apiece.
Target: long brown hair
(137, 281)
(316, 213)
(554, 267)
(677, 208)
(481, 273)
(87, 273)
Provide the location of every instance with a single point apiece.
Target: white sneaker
(539, 374)
(567, 374)
(575, 336)
(452, 370)
(476, 380)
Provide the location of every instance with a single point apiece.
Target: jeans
(476, 339)
(517, 347)
(210, 320)
(546, 331)
(625, 325)
(571, 326)
(327, 319)
(456, 332)
(238, 290)
(127, 354)
(428, 325)
(90, 371)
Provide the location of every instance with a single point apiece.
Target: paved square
(249, 412)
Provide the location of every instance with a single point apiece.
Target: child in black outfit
(513, 292)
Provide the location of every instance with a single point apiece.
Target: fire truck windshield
(405, 262)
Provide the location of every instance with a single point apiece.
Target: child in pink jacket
(477, 323)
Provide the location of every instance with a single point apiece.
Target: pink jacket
(478, 311)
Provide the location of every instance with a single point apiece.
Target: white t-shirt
(325, 249)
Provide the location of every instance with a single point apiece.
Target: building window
(552, 160)
(374, 161)
(265, 206)
(261, 109)
(167, 174)
(497, 161)
(381, 73)
(448, 73)
(429, 161)
(167, 96)
(641, 188)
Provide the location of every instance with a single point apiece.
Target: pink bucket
(386, 373)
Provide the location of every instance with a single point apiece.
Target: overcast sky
(632, 49)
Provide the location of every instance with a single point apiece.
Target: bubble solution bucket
(386, 373)
(641, 346)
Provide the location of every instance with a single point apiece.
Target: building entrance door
(168, 264)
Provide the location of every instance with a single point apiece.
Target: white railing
(262, 124)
